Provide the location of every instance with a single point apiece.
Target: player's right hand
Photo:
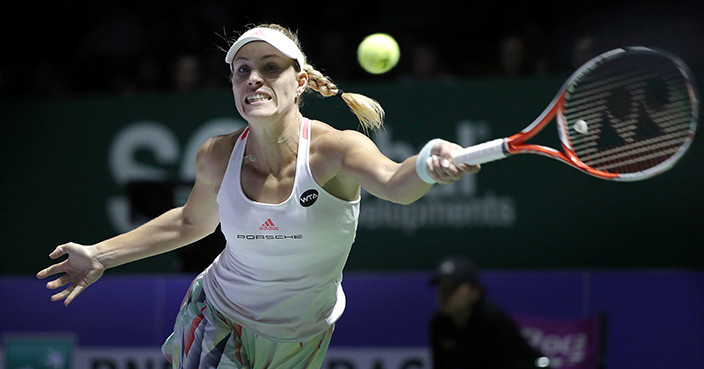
(81, 269)
(441, 168)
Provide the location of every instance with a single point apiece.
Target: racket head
(628, 114)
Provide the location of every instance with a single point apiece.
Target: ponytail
(368, 111)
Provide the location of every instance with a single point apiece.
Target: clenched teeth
(257, 98)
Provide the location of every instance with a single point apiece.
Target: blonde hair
(368, 111)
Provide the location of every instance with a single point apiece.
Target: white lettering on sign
(457, 205)
(161, 143)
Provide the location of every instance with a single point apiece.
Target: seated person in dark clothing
(468, 331)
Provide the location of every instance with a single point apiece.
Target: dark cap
(457, 269)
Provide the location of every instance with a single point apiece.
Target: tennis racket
(626, 115)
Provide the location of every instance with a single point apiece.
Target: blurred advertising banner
(38, 351)
(152, 358)
(85, 169)
(569, 343)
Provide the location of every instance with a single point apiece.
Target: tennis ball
(378, 53)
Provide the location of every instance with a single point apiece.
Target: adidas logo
(268, 226)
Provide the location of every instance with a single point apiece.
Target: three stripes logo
(268, 226)
(258, 32)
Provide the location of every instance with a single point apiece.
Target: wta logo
(268, 226)
(308, 198)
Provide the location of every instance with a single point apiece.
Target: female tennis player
(286, 191)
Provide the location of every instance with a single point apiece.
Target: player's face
(264, 81)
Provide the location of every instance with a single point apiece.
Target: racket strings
(638, 113)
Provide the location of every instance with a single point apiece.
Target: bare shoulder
(334, 142)
(214, 155)
(331, 152)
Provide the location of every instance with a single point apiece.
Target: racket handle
(482, 153)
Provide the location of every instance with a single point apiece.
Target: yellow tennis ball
(378, 53)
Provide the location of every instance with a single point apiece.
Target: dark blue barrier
(655, 318)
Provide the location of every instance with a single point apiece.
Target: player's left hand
(80, 270)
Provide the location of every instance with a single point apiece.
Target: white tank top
(280, 274)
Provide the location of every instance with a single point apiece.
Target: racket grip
(482, 153)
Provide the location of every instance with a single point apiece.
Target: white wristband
(422, 161)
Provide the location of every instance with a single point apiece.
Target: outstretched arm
(361, 162)
(175, 228)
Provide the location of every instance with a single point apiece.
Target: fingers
(441, 167)
(58, 282)
(74, 293)
(69, 294)
(444, 172)
(59, 251)
(54, 269)
(470, 169)
(63, 294)
(441, 170)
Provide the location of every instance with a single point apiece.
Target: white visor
(274, 38)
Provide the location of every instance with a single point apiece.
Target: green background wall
(66, 164)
